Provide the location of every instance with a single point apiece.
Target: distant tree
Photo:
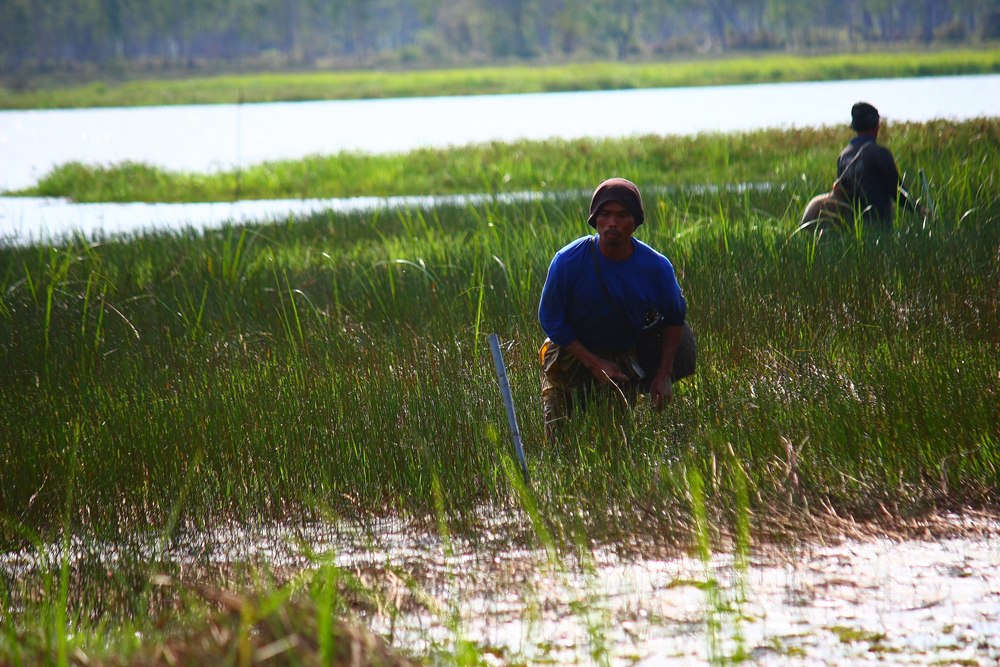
(991, 24)
(43, 35)
(793, 20)
(720, 18)
(15, 34)
(457, 23)
(511, 23)
(623, 30)
(568, 28)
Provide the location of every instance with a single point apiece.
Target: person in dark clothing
(867, 182)
(867, 171)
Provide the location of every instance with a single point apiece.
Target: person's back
(867, 172)
(867, 180)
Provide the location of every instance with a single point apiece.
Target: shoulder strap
(851, 163)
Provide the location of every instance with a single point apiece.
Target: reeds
(553, 166)
(336, 367)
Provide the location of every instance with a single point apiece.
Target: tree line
(39, 36)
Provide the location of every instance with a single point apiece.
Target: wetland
(262, 442)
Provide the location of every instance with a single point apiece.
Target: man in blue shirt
(599, 293)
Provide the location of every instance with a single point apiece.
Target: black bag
(650, 346)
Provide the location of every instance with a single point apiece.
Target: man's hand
(607, 371)
(661, 389)
(661, 392)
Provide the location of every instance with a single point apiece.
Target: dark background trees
(116, 36)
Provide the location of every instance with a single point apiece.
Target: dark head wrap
(864, 117)
(620, 190)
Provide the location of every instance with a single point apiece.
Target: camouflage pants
(567, 385)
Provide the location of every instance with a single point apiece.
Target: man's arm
(661, 390)
(602, 369)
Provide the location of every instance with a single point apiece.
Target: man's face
(614, 223)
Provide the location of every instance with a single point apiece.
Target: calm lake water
(215, 137)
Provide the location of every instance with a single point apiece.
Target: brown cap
(620, 190)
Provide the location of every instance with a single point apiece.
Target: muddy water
(860, 601)
(847, 601)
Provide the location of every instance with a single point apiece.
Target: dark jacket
(872, 180)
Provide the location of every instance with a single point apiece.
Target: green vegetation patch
(784, 159)
(850, 635)
(248, 371)
(292, 87)
(164, 388)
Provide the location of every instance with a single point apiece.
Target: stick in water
(508, 403)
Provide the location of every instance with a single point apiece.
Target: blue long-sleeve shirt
(574, 306)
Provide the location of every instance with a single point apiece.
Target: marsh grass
(799, 160)
(293, 87)
(337, 369)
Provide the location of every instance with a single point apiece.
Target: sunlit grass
(293, 365)
(292, 87)
(797, 160)
(336, 368)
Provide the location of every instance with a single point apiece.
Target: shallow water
(848, 601)
(856, 602)
(26, 220)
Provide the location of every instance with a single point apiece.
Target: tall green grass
(291, 87)
(789, 159)
(167, 385)
(301, 362)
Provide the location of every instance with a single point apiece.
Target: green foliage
(121, 39)
(527, 166)
(658, 163)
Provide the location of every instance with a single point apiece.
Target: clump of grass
(299, 622)
(553, 165)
